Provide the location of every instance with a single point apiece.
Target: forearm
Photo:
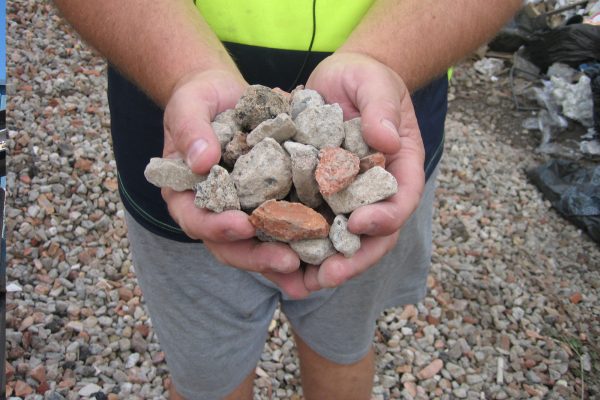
(420, 39)
(154, 43)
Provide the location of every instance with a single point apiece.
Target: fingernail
(195, 151)
(370, 229)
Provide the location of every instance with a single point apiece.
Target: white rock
(89, 390)
(313, 251)
(370, 187)
(353, 141)
(321, 126)
(280, 128)
(173, 173)
(342, 239)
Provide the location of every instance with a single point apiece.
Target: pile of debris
(554, 49)
(295, 164)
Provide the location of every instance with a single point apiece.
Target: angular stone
(287, 222)
(430, 370)
(370, 161)
(320, 126)
(303, 99)
(22, 389)
(235, 148)
(228, 118)
(342, 239)
(172, 173)
(374, 185)
(280, 128)
(38, 373)
(353, 141)
(89, 390)
(304, 163)
(313, 251)
(217, 193)
(224, 133)
(336, 170)
(257, 104)
(264, 173)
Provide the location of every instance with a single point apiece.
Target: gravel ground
(512, 310)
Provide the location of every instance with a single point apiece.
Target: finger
(188, 130)
(252, 255)
(406, 165)
(386, 217)
(292, 284)
(338, 269)
(311, 281)
(203, 224)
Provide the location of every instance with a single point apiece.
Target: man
(368, 56)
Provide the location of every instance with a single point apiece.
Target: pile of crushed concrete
(293, 163)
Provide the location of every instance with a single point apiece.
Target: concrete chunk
(280, 128)
(313, 251)
(303, 99)
(342, 239)
(264, 173)
(223, 132)
(171, 173)
(304, 162)
(320, 126)
(257, 104)
(217, 193)
(374, 185)
(353, 141)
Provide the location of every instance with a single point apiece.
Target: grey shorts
(212, 320)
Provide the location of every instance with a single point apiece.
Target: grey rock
(353, 141)
(280, 128)
(303, 99)
(228, 118)
(372, 186)
(172, 173)
(313, 251)
(342, 239)
(305, 159)
(320, 126)
(257, 104)
(264, 173)
(224, 133)
(217, 193)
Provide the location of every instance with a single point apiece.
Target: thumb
(387, 113)
(188, 132)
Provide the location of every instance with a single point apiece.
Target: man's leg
(242, 392)
(323, 379)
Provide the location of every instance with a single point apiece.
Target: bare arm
(154, 43)
(420, 39)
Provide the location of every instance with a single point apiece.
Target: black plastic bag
(570, 44)
(573, 190)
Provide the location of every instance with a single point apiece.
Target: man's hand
(365, 87)
(196, 99)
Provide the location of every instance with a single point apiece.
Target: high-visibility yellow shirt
(284, 24)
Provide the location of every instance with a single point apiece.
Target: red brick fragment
(336, 170)
(372, 160)
(286, 222)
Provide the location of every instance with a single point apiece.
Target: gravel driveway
(513, 307)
